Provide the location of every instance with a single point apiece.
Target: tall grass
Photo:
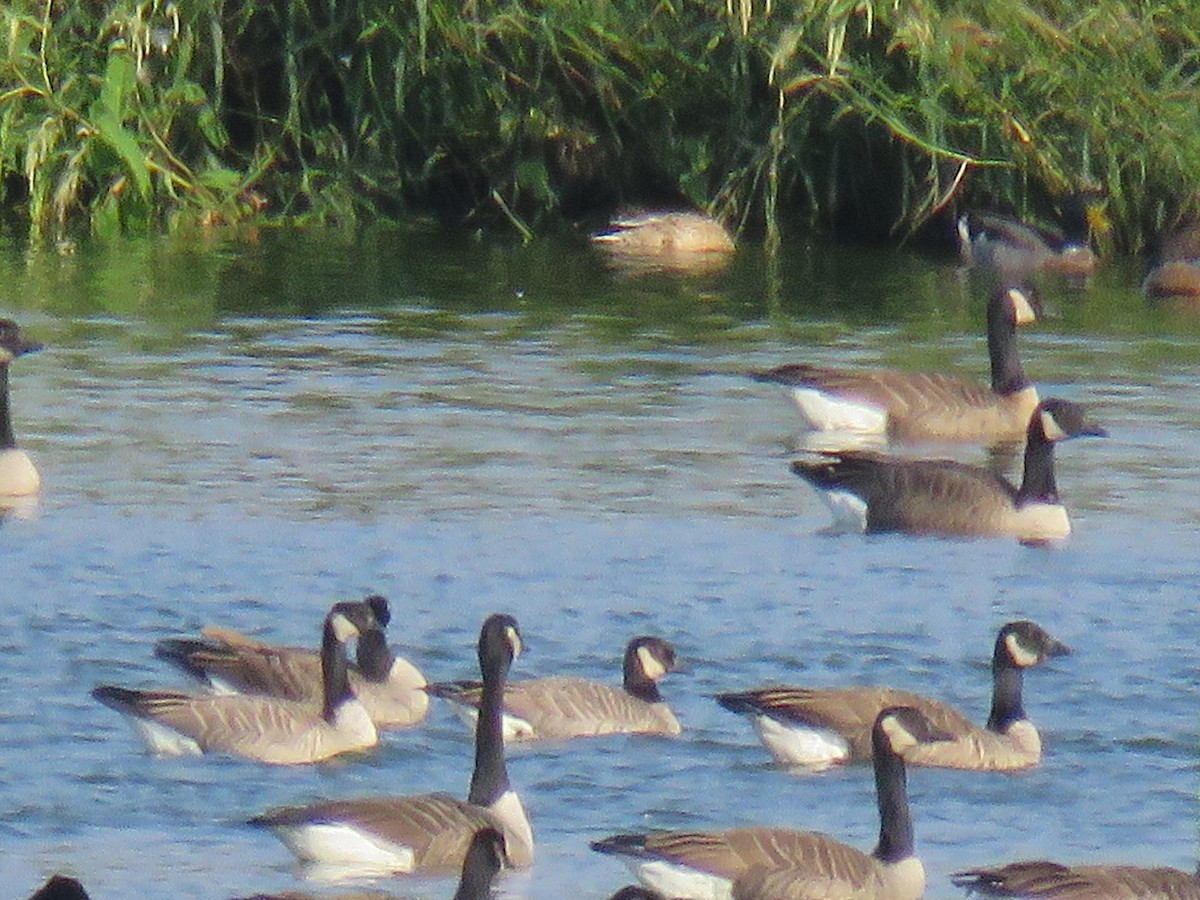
(866, 117)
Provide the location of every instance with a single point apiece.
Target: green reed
(864, 117)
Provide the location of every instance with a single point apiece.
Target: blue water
(509, 429)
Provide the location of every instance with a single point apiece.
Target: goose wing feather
(1043, 878)
(850, 711)
(564, 707)
(437, 827)
(916, 494)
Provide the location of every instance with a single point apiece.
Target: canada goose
(392, 689)
(682, 241)
(266, 729)
(874, 493)
(18, 475)
(820, 727)
(1176, 276)
(427, 832)
(1041, 878)
(706, 864)
(636, 892)
(60, 887)
(925, 406)
(562, 707)
(1014, 248)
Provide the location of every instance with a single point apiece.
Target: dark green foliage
(866, 117)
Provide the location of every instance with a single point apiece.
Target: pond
(240, 431)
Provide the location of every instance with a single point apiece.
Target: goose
(914, 407)
(484, 860)
(1042, 878)
(1176, 276)
(820, 727)
(427, 832)
(709, 864)
(680, 241)
(875, 493)
(561, 707)
(266, 729)
(18, 475)
(391, 688)
(1012, 247)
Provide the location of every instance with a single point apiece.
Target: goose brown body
(1042, 878)
(561, 707)
(914, 407)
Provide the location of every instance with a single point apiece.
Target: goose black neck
(1007, 706)
(334, 676)
(1007, 375)
(7, 440)
(490, 778)
(636, 682)
(1038, 483)
(895, 821)
(480, 867)
(1074, 219)
(374, 656)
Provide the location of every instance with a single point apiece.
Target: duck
(666, 240)
(261, 728)
(918, 407)
(1175, 279)
(1042, 878)
(875, 493)
(391, 688)
(687, 864)
(18, 475)
(816, 728)
(1012, 247)
(560, 708)
(427, 833)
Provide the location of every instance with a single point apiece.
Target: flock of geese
(289, 705)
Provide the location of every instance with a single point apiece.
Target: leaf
(125, 144)
(119, 83)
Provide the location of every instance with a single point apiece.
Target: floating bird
(559, 708)
(60, 887)
(1041, 878)
(266, 729)
(685, 864)
(911, 407)
(1014, 248)
(680, 241)
(18, 475)
(392, 689)
(1175, 279)
(820, 727)
(876, 493)
(427, 832)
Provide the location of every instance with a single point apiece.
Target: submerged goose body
(390, 688)
(429, 832)
(744, 862)
(265, 729)
(820, 727)
(1042, 878)
(559, 708)
(875, 493)
(18, 475)
(678, 241)
(1175, 278)
(911, 407)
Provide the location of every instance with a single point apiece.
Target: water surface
(240, 432)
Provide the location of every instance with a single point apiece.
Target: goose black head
(1024, 644)
(13, 342)
(1057, 420)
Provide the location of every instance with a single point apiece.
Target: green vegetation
(864, 117)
